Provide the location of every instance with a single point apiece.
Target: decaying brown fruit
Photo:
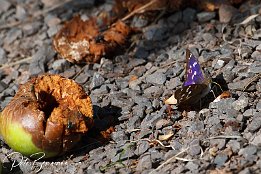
(48, 114)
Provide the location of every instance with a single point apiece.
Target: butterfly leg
(213, 93)
(218, 86)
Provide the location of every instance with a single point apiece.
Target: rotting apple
(48, 115)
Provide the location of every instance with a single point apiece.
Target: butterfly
(196, 86)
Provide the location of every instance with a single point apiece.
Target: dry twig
(25, 60)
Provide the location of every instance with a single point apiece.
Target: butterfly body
(196, 86)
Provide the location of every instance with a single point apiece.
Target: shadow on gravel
(104, 121)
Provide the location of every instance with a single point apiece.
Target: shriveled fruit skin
(35, 122)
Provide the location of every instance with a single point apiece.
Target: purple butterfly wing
(194, 73)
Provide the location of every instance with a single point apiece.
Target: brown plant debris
(82, 41)
(57, 110)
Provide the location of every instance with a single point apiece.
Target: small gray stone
(248, 151)
(142, 147)
(234, 145)
(258, 106)
(204, 113)
(258, 48)
(157, 78)
(39, 59)
(144, 163)
(255, 67)
(3, 86)
(155, 33)
(141, 52)
(5, 102)
(163, 123)
(142, 101)
(5, 5)
(246, 51)
(133, 123)
(60, 64)
(169, 154)
(153, 92)
(218, 64)
(257, 140)
(156, 155)
(196, 126)
(206, 16)
(139, 21)
(241, 103)
(136, 62)
(150, 120)
(156, 103)
(175, 18)
(97, 80)
(48, 3)
(119, 136)
(249, 112)
(122, 83)
(72, 169)
(252, 43)
(208, 37)
(3, 58)
(189, 15)
(52, 20)
(173, 83)
(226, 13)
(191, 114)
(138, 111)
(258, 86)
(82, 78)
(230, 65)
(238, 85)
(206, 56)
(245, 171)
(194, 148)
(12, 35)
(21, 13)
(144, 133)
(192, 166)
(255, 124)
(228, 76)
(220, 159)
(53, 30)
(32, 28)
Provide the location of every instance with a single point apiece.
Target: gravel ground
(150, 137)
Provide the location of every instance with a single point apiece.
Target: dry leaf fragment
(171, 101)
(166, 137)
